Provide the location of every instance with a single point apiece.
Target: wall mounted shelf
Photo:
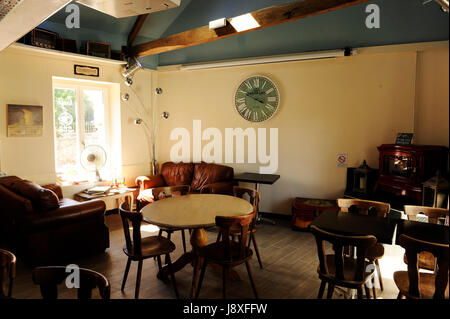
(65, 55)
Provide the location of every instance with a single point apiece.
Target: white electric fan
(93, 158)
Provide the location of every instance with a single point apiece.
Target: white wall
(26, 78)
(347, 105)
(432, 98)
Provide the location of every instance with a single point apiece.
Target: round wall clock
(257, 98)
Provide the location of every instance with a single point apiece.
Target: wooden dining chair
(48, 278)
(138, 248)
(227, 252)
(367, 207)
(254, 199)
(7, 272)
(171, 191)
(413, 284)
(341, 270)
(434, 215)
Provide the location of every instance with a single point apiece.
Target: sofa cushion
(41, 198)
(205, 174)
(175, 174)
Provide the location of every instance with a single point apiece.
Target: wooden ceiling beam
(265, 17)
(136, 28)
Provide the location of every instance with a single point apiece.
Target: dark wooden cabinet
(403, 168)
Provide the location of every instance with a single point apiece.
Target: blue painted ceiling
(402, 21)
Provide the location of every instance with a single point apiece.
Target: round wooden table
(193, 211)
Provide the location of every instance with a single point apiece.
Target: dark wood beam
(265, 17)
(136, 28)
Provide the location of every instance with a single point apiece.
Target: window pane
(94, 118)
(66, 132)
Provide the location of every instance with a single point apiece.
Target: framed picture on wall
(24, 120)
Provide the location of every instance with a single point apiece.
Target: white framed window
(82, 118)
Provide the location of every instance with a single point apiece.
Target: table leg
(262, 219)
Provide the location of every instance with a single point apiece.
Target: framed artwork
(24, 120)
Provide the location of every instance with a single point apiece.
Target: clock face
(257, 99)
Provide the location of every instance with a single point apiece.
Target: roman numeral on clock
(264, 84)
(270, 107)
(264, 114)
(269, 91)
(241, 107)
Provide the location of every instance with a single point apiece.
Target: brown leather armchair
(202, 177)
(43, 227)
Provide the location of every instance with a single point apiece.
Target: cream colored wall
(26, 78)
(347, 105)
(432, 98)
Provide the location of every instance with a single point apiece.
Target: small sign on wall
(86, 70)
(341, 160)
(404, 138)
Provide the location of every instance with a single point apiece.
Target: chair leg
(159, 234)
(367, 291)
(252, 282)
(125, 275)
(218, 236)
(252, 238)
(374, 289)
(172, 276)
(200, 280)
(158, 258)
(321, 289)
(169, 235)
(224, 282)
(184, 240)
(379, 274)
(360, 293)
(330, 290)
(194, 284)
(138, 280)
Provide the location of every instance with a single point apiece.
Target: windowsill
(85, 183)
(70, 189)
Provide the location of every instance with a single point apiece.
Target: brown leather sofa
(42, 227)
(202, 177)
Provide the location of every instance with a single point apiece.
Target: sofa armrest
(56, 189)
(65, 215)
(13, 206)
(225, 188)
(145, 182)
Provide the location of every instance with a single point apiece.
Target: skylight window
(244, 22)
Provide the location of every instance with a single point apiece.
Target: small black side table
(258, 179)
